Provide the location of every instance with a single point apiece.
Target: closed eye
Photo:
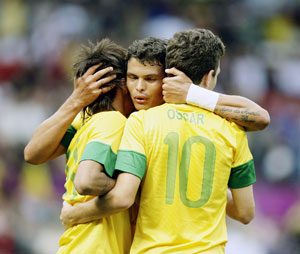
(151, 78)
(132, 77)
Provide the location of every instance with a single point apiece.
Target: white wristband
(202, 97)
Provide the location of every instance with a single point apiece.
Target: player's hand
(65, 215)
(88, 87)
(175, 88)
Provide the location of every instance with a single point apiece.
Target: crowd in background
(38, 42)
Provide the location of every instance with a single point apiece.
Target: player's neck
(118, 102)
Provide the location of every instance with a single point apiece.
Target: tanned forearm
(46, 138)
(94, 209)
(45, 142)
(121, 197)
(91, 210)
(242, 111)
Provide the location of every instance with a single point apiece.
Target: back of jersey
(189, 153)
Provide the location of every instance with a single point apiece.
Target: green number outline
(172, 140)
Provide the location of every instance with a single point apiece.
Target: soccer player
(92, 151)
(184, 158)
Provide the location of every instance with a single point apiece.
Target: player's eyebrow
(147, 75)
(129, 73)
(151, 75)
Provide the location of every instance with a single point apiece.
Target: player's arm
(240, 200)
(120, 198)
(131, 162)
(240, 204)
(91, 179)
(244, 112)
(45, 142)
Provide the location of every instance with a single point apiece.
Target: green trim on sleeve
(242, 176)
(101, 153)
(67, 138)
(131, 162)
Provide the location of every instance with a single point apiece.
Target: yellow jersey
(98, 140)
(186, 157)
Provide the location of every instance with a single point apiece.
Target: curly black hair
(150, 50)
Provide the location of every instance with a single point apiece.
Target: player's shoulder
(107, 119)
(221, 125)
(235, 127)
(157, 109)
(78, 121)
(109, 115)
(141, 113)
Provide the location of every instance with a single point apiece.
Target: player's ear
(207, 79)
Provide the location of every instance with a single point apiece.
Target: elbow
(265, 120)
(82, 188)
(125, 202)
(122, 202)
(246, 217)
(29, 156)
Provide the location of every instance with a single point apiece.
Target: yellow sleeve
(77, 122)
(242, 151)
(71, 131)
(104, 141)
(243, 170)
(131, 155)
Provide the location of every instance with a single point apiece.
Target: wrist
(202, 97)
(75, 104)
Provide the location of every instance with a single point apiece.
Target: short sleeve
(67, 138)
(243, 169)
(104, 141)
(71, 131)
(131, 155)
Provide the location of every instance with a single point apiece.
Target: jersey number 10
(172, 140)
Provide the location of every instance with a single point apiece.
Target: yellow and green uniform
(186, 158)
(98, 140)
(71, 131)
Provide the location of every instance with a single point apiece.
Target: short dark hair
(194, 52)
(150, 50)
(109, 54)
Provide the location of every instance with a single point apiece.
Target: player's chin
(139, 106)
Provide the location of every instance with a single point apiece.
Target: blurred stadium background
(37, 44)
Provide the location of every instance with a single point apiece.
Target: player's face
(144, 82)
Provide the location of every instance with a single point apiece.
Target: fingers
(101, 73)
(104, 81)
(106, 89)
(93, 77)
(91, 70)
(167, 80)
(174, 71)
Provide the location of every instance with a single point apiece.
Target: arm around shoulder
(242, 111)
